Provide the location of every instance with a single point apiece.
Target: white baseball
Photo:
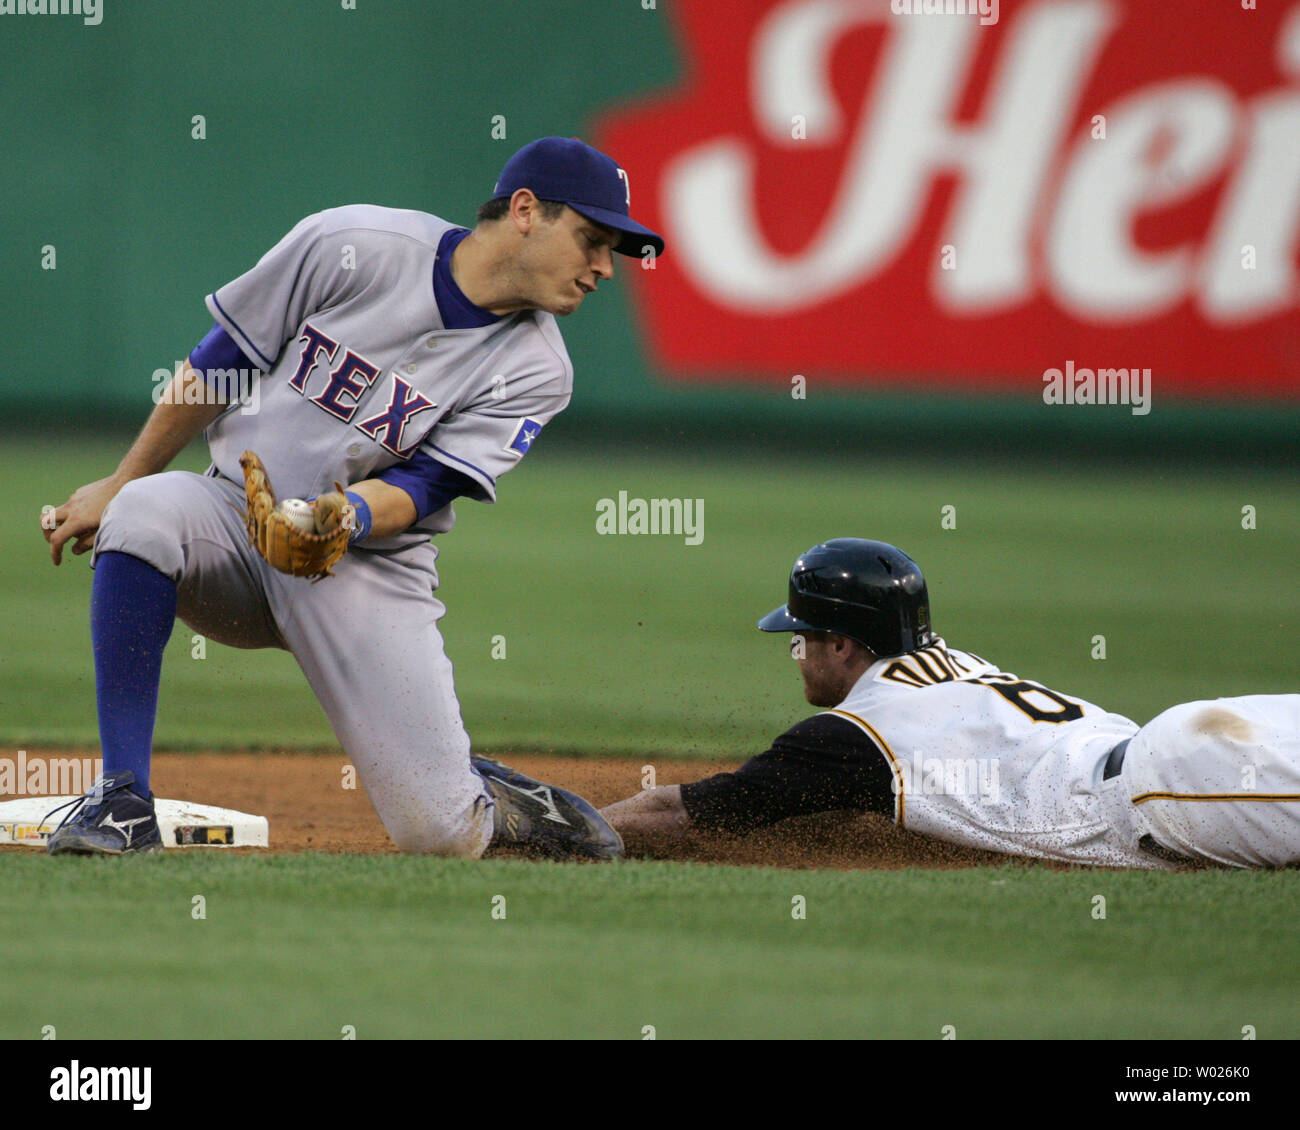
(299, 513)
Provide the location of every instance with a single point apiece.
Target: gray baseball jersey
(360, 372)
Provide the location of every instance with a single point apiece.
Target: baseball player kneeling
(415, 361)
(948, 745)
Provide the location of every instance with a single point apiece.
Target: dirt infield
(309, 808)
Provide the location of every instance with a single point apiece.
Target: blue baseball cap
(572, 172)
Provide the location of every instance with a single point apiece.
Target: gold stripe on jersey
(1142, 798)
(874, 734)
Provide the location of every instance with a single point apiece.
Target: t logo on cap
(572, 172)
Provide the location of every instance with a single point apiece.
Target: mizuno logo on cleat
(124, 826)
(542, 794)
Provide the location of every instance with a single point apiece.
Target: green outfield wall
(154, 155)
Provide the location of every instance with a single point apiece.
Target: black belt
(1115, 760)
(1148, 844)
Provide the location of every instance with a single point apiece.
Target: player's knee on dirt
(426, 838)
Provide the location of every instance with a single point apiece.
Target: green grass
(645, 644)
(300, 946)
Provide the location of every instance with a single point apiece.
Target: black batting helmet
(870, 591)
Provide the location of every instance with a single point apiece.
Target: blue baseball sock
(132, 609)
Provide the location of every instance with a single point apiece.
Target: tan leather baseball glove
(283, 545)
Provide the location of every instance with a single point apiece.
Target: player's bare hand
(77, 520)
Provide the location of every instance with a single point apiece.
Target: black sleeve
(825, 762)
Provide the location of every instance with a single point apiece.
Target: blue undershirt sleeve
(430, 484)
(216, 351)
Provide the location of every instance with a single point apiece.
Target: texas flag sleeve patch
(527, 431)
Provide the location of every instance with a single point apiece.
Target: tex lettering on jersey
(347, 382)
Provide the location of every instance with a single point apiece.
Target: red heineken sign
(972, 192)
